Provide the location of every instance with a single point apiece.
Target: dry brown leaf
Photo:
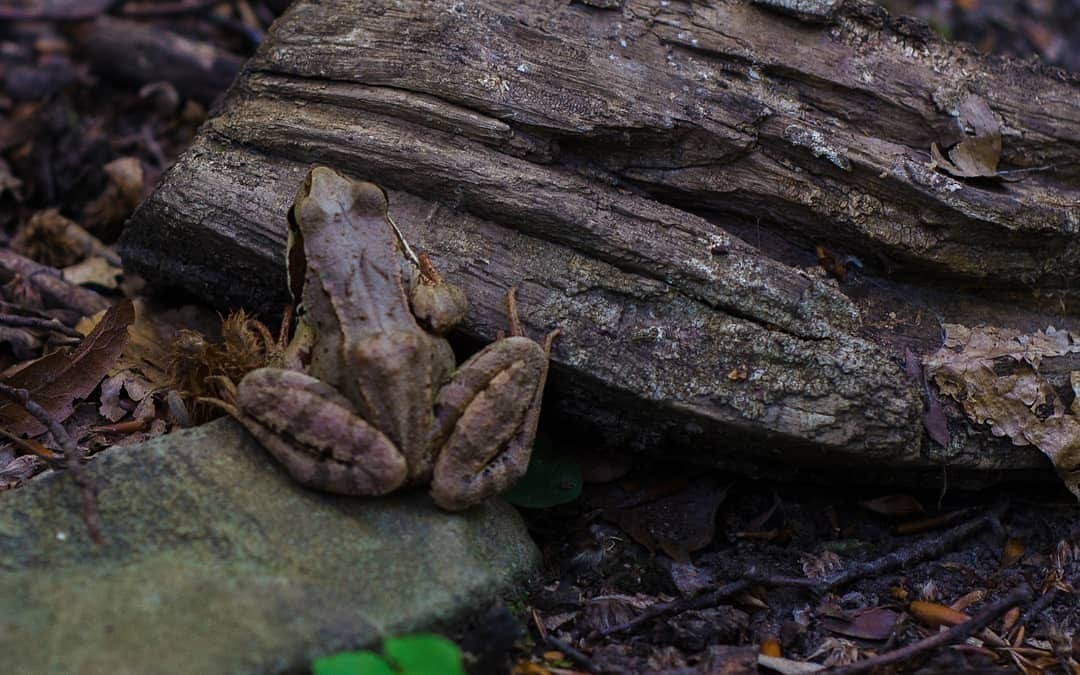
(57, 380)
(678, 524)
(934, 418)
(111, 408)
(968, 599)
(127, 181)
(934, 615)
(979, 151)
(935, 422)
(975, 157)
(875, 623)
(994, 374)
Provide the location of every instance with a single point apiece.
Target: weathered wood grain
(654, 178)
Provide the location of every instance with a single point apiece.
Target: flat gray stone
(216, 562)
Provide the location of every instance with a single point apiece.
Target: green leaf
(351, 663)
(424, 655)
(553, 478)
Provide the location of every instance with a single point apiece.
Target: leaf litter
(997, 375)
(57, 380)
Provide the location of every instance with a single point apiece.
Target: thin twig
(1044, 601)
(72, 457)
(31, 447)
(957, 633)
(148, 9)
(922, 550)
(659, 609)
(86, 12)
(72, 13)
(20, 321)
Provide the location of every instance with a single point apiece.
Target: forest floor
(655, 568)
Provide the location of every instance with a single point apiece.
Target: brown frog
(370, 399)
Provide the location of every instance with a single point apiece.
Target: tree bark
(655, 177)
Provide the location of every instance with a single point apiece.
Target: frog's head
(326, 193)
(327, 197)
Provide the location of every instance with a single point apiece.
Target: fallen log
(667, 182)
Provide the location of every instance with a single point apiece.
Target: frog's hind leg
(486, 419)
(315, 433)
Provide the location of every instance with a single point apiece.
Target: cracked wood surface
(655, 178)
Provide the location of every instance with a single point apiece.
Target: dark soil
(599, 578)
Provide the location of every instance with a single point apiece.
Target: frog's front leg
(315, 433)
(486, 418)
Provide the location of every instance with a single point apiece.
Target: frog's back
(392, 379)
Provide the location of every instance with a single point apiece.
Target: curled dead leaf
(971, 158)
(57, 380)
(978, 152)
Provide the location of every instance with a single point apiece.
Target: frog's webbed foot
(316, 434)
(486, 418)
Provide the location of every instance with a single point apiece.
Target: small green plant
(408, 655)
(553, 478)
